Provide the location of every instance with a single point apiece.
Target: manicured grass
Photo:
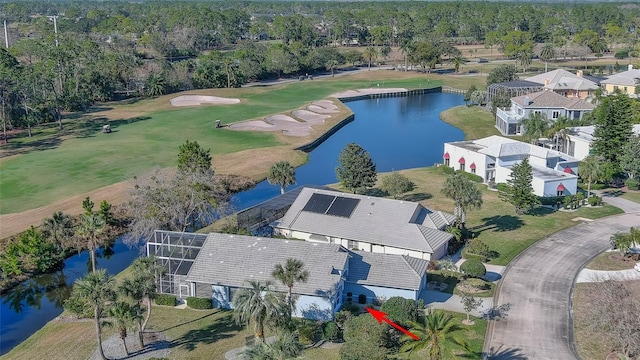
(54, 165)
(475, 121)
(453, 281)
(631, 195)
(609, 261)
(496, 223)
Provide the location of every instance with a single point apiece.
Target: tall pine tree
(356, 171)
(613, 128)
(519, 191)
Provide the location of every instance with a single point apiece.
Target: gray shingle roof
(629, 77)
(233, 259)
(549, 99)
(393, 271)
(375, 220)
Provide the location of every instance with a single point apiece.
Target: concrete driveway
(538, 285)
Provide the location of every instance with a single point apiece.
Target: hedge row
(447, 170)
(199, 303)
(166, 299)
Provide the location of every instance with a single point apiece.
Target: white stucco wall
(581, 147)
(470, 157)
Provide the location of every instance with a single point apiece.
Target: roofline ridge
(410, 267)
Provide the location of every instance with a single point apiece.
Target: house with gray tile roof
(217, 266)
(627, 82)
(547, 103)
(492, 158)
(367, 223)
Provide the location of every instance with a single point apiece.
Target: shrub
(330, 331)
(166, 299)
(432, 266)
(478, 248)
(306, 334)
(595, 200)
(471, 176)
(502, 187)
(471, 256)
(447, 170)
(400, 310)
(594, 186)
(621, 54)
(199, 303)
(477, 284)
(632, 184)
(473, 268)
(551, 200)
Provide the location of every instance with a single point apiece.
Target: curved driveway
(538, 286)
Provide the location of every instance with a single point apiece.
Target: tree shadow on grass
(377, 192)
(222, 328)
(416, 197)
(540, 211)
(499, 223)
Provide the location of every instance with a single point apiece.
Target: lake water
(399, 133)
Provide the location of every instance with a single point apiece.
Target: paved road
(538, 286)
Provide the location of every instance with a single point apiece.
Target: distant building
(627, 82)
(367, 223)
(492, 158)
(546, 102)
(579, 139)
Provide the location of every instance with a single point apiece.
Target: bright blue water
(399, 133)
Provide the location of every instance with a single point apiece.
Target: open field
(496, 223)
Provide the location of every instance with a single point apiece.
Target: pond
(399, 133)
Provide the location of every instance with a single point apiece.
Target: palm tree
(591, 169)
(534, 127)
(97, 289)
(155, 85)
(282, 173)
(285, 347)
(59, 227)
(547, 53)
(90, 227)
(331, 65)
(406, 47)
(142, 287)
(434, 332)
(524, 58)
(558, 130)
(123, 315)
(256, 304)
(292, 272)
(457, 62)
(371, 54)
(464, 192)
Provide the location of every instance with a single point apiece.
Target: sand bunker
(310, 117)
(369, 91)
(280, 117)
(191, 100)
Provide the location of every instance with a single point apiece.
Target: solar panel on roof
(343, 206)
(318, 203)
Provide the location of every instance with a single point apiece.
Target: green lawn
(611, 261)
(496, 223)
(452, 280)
(54, 165)
(475, 121)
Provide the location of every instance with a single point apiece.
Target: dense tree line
(109, 50)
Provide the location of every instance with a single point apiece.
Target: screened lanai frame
(176, 252)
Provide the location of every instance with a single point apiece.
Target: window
(559, 193)
(473, 170)
(446, 162)
(625, 90)
(555, 114)
(461, 167)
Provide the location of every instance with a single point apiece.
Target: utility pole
(55, 26)
(6, 38)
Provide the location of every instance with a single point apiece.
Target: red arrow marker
(380, 316)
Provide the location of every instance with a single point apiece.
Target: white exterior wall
(502, 174)
(470, 157)
(581, 147)
(570, 185)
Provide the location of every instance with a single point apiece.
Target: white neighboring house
(367, 223)
(493, 157)
(579, 139)
(546, 102)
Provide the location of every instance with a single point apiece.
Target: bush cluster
(400, 310)
(471, 176)
(331, 331)
(307, 333)
(447, 170)
(595, 200)
(477, 250)
(166, 299)
(473, 268)
(502, 187)
(632, 184)
(199, 303)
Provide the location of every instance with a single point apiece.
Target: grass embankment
(474, 121)
(496, 223)
(611, 261)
